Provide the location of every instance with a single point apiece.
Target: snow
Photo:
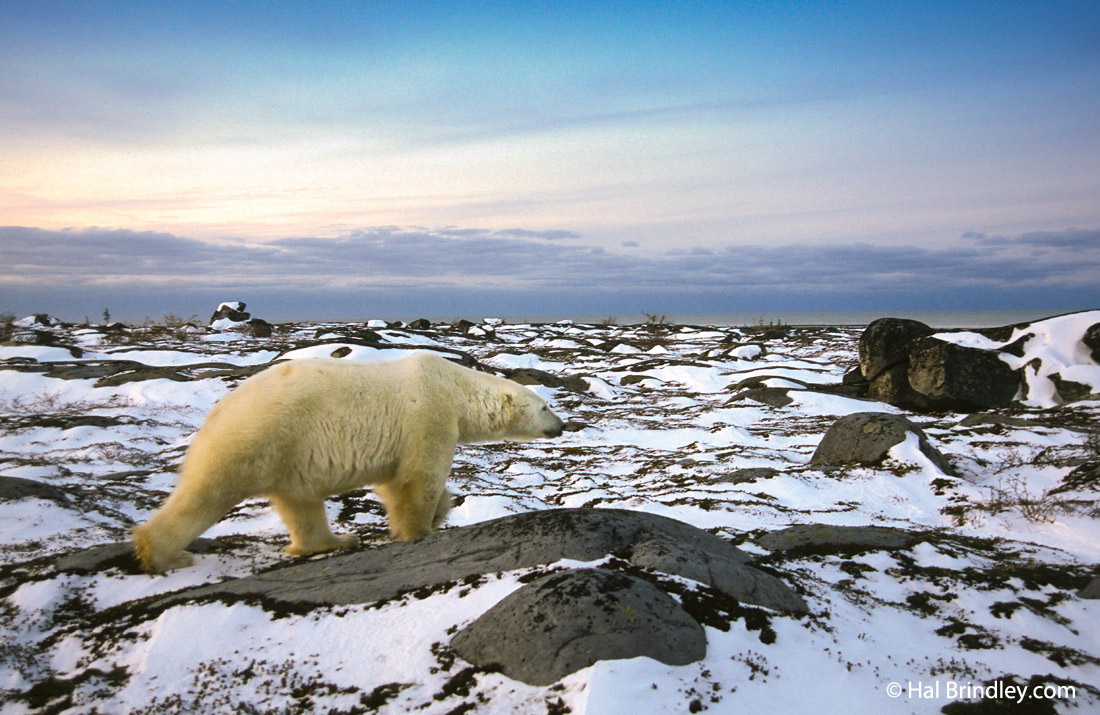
(659, 446)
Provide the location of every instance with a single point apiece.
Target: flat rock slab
(866, 438)
(98, 558)
(20, 488)
(748, 474)
(826, 538)
(568, 620)
(514, 542)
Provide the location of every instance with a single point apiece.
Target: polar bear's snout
(557, 429)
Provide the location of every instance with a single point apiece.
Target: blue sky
(318, 159)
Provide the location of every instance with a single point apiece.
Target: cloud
(552, 235)
(459, 264)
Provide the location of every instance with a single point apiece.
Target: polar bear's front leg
(307, 523)
(442, 507)
(412, 507)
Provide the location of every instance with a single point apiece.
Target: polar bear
(303, 430)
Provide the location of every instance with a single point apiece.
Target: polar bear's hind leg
(160, 542)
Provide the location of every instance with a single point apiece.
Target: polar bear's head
(531, 418)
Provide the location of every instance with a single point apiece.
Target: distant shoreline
(852, 318)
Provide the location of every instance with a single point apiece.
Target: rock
(98, 558)
(635, 379)
(232, 311)
(1071, 391)
(151, 373)
(1091, 590)
(977, 419)
(892, 387)
(260, 328)
(826, 538)
(569, 620)
(866, 438)
(750, 474)
(533, 376)
(1091, 339)
(854, 377)
(421, 324)
(886, 342)
(36, 319)
(774, 396)
(505, 544)
(955, 377)
(12, 488)
(60, 421)
(575, 383)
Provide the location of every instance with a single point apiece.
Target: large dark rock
(1091, 339)
(568, 620)
(886, 342)
(954, 377)
(906, 366)
(514, 542)
(866, 438)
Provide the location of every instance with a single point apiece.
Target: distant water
(934, 318)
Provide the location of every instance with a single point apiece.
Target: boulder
(1091, 589)
(568, 620)
(421, 324)
(886, 342)
(512, 542)
(955, 377)
(866, 438)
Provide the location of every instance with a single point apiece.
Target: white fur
(303, 430)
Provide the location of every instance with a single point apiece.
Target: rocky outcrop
(904, 365)
(867, 437)
(1040, 364)
(513, 542)
(568, 620)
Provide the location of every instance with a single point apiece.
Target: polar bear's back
(348, 420)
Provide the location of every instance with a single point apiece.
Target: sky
(377, 159)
